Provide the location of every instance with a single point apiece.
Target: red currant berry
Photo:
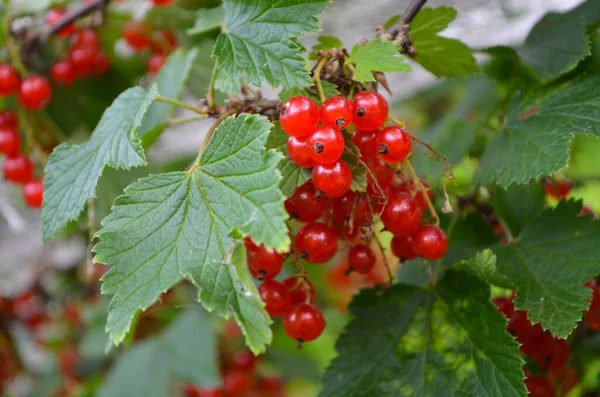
(505, 306)
(430, 242)
(165, 38)
(54, 16)
(398, 185)
(371, 110)
(401, 215)
(270, 387)
(332, 179)
(62, 73)
(196, 391)
(137, 35)
(558, 189)
(299, 151)
(243, 360)
(161, 3)
(383, 174)
(237, 382)
(301, 290)
(402, 248)
(350, 204)
(361, 259)
(10, 141)
(337, 111)
(306, 204)
(365, 142)
(155, 63)
(538, 386)
(560, 352)
(393, 144)
(262, 262)
(101, 63)
(276, 297)
(418, 193)
(304, 323)
(299, 116)
(8, 120)
(82, 61)
(33, 193)
(27, 306)
(88, 39)
(317, 242)
(35, 93)
(327, 145)
(18, 169)
(9, 79)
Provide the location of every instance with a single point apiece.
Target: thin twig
(371, 174)
(419, 185)
(299, 268)
(211, 87)
(400, 31)
(184, 120)
(179, 104)
(412, 11)
(72, 16)
(317, 77)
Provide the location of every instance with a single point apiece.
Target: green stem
(211, 87)
(177, 103)
(317, 77)
(32, 143)
(184, 120)
(12, 48)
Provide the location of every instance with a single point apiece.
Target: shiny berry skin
(504, 305)
(301, 290)
(299, 151)
(18, 169)
(365, 142)
(361, 259)
(337, 112)
(393, 144)
(8, 120)
(558, 189)
(137, 35)
(306, 204)
(35, 93)
(262, 262)
(236, 382)
(101, 64)
(155, 63)
(161, 3)
(430, 242)
(33, 193)
(316, 242)
(82, 61)
(62, 73)
(304, 323)
(344, 206)
(299, 116)
(332, 179)
(327, 144)
(371, 110)
(9, 79)
(276, 297)
(54, 16)
(402, 248)
(539, 386)
(87, 38)
(243, 360)
(10, 141)
(401, 215)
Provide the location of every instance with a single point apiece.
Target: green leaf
(391, 22)
(257, 44)
(327, 42)
(442, 56)
(329, 89)
(186, 352)
(171, 17)
(178, 225)
(538, 136)
(446, 342)
(483, 266)
(549, 262)
(376, 56)
(517, 205)
(207, 20)
(73, 170)
(558, 42)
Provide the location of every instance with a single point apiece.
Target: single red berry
(398, 184)
(504, 305)
(88, 39)
(371, 110)
(301, 290)
(354, 207)
(306, 204)
(33, 193)
(18, 169)
(361, 259)
(35, 93)
(82, 61)
(383, 174)
(418, 193)
(327, 145)
(299, 151)
(155, 63)
(332, 179)
(8, 120)
(62, 73)
(393, 144)
(197, 391)
(560, 352)
(337, 111)
(262, 262)
(237, 382)
(365, 142)
(56, 15)
(299, 116)
(9, 79)
(138, 35)
(558, 189)
(401, 216)
(539, 386)
(101, 64)
(402, 248)
(10, 141)
(161, 3)
(317, 242)
(304, 323)
(430, 242)
(243, 360)
(276, 297)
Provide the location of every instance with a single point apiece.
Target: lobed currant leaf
(483, 266)
(376, 56)
(517, 205)
(207, 20)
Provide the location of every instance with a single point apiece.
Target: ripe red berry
(8, 120)
(539, 386)
(262, 262)
(393, 144)
(18, 169)
(161, 3)
(9, 79)
(383, 173)
(10, 141)
(371, 110)
(33, 193)
(361, 259)
(299, 116)
(82, 61)
(327, 144)
(306, 204)
(244, 360)
(352, 203)
(155, 63)
(62, 73)
(402, 248)
(365, 142)
(430, 242)
(137, 35)
(35, 93)
(337, 112)
(558, 189)
(332, 179)
(299, 151)
(316, 242)
(276, 297)
(301, 290)
(401, 215)
(54, 16)
(101, 64)
(87, 38)
(504, 305)
(304, 323)
(236, 382)
(197, 391)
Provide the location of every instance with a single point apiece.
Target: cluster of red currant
(33, 93)
(140, 36)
